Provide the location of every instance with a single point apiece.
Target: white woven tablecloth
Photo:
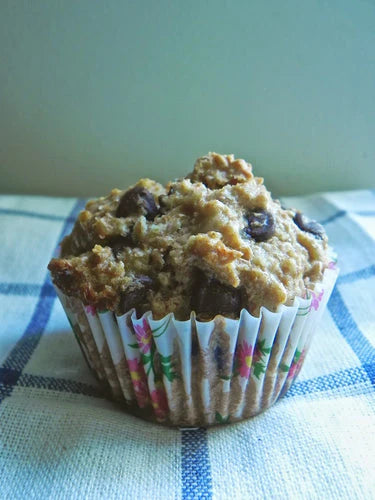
(60, 439)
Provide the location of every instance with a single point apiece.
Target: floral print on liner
(144, 336)
(246, 359)
(259, 363)
(159, 401)
(332, 264)
(315, 300)
(138, 376)
(155, 364)
(146, 366)
(296, 364)
(91, 310)
(220, 419)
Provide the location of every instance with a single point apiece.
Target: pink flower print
(296, 364)
(300, 363)
(138, 377)
(135, 365)
(91, 310)
(244, 358)
(315, 301)
(332, 265)
(292, 370)
(144, 336)
(159, 402)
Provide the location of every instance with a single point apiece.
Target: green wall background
(95, 94)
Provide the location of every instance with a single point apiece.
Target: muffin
(194, 303)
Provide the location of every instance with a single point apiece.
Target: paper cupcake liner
(193, 373)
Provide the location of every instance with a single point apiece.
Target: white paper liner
(191, 373)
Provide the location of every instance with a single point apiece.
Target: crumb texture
(214, 242)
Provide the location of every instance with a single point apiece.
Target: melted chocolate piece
(137, 200)
(260, 225)
(65, 279)
(136, 295)
(309, 226)
(146, 281)
(210, 297)
(119, 243)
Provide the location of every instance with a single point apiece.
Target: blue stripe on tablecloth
(196, 469)
(11, 377)
(365, 213)
(58, 384)
(351, 333)
(37, 215)
(24, 348)
(343, 378)
(21, 353)
(361, 274)
(342, 213)
(27, 289)
(333, 217)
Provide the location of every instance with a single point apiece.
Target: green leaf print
(297, 355)
(302, 311)
(134, 346)
(167, 367)
(220, 419)
(148, 359)
(283, 367)
(261, 347)
(162, 327)
(259, 368)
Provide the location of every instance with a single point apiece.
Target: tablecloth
(60, 438)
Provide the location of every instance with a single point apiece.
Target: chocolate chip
(132, 299)
(137, 200)
(210, 297)
(136, 295)
(118, 243)
(146, 281)
(309, 226)
(260, 225)
(64, 275)
(64, 278)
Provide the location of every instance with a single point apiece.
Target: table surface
(59, 438)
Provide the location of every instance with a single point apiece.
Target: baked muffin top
(213, 242)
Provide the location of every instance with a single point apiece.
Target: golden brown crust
(95, 277)
(211, 221)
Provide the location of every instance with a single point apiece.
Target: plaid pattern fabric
(59, 438)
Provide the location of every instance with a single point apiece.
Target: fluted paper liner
(190, 373)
